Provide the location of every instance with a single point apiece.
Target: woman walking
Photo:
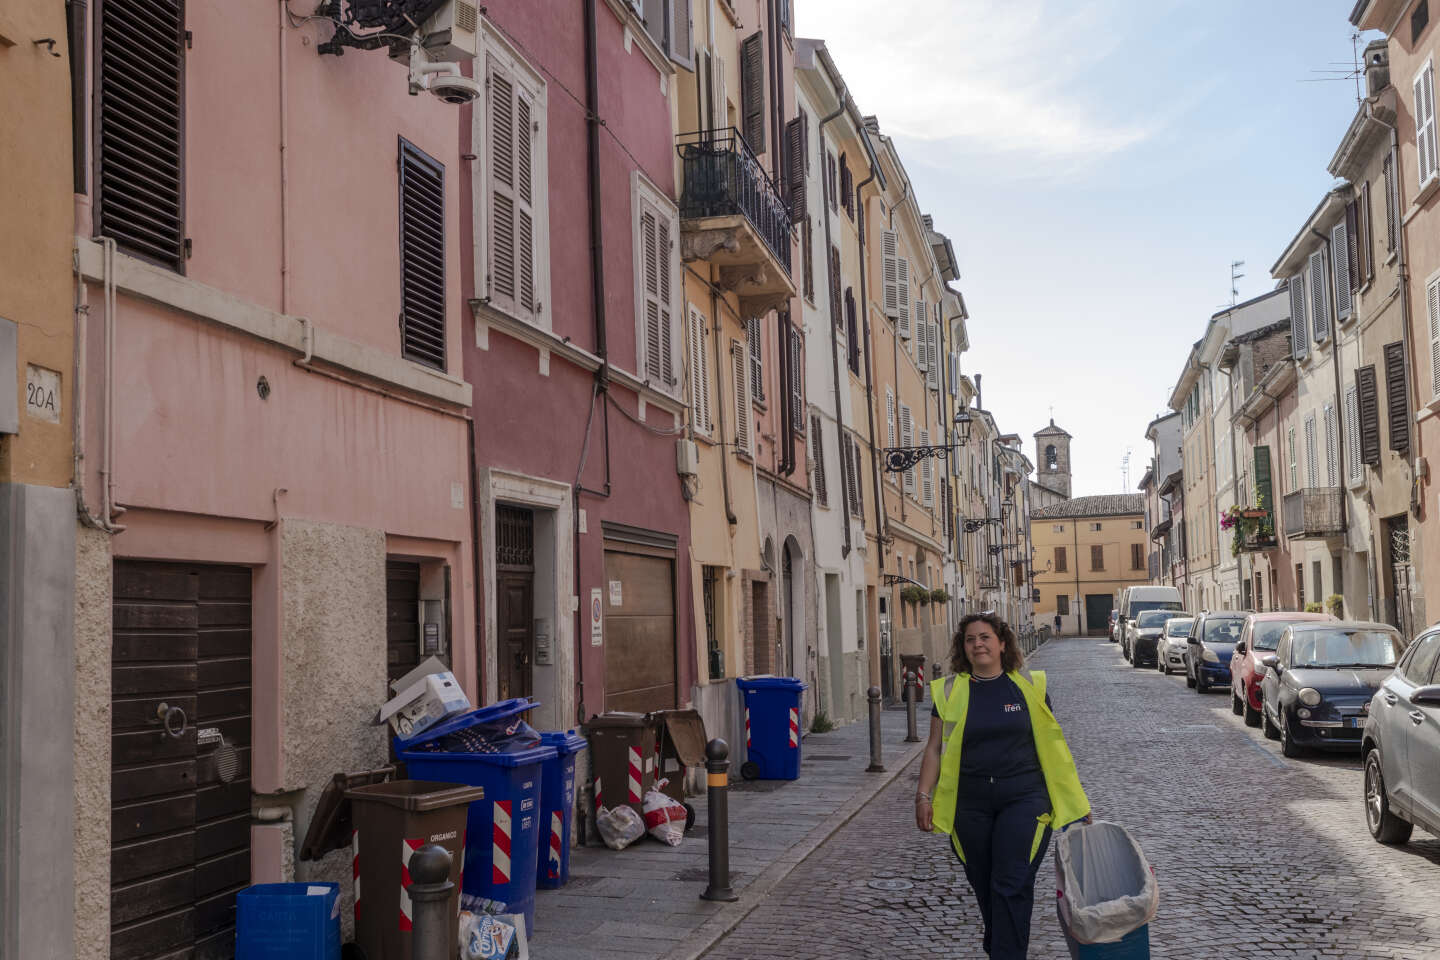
(997, 777)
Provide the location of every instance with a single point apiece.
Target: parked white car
(1170, 648)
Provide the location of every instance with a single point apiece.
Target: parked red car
(1257, 639)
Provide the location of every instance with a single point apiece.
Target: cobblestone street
(1256, 856)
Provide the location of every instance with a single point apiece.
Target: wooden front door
(402, 618)
(515, 600)
(180, 834)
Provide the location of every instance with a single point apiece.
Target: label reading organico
(439, 837)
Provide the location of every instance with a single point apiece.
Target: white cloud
(1000, 76)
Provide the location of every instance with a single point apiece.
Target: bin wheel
(689, 816)
(352, 951)
(750, 770)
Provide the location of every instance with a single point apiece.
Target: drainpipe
(835, 310)
(1332, 295)
(875, 473)
(895, 355)
(477, 575)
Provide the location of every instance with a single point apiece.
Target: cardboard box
(423, 704)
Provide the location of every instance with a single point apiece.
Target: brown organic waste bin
(622, 758)
(392, 821)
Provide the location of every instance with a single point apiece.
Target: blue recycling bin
(502, 831)
(557, 808)
(772, 727)
(288, 921)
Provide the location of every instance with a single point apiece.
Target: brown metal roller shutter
(140, 128)
(640, 633)
(180, 838)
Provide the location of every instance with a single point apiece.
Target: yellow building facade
(1087, 549)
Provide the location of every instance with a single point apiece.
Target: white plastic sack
(1106, 887)
(664, 816)
(619, 826)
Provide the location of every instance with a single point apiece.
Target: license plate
(1354, 721)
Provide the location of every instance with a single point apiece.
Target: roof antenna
(1235, 275)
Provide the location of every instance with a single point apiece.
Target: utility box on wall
(9, 377)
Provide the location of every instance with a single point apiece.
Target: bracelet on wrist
(921, 795)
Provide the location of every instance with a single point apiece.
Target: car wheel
(1237, 706)
(1384, 825)
(1200, 685)
(1135, 662)
(1160, 664)
(1189, 677)
(1272, 732)
(1252, 716)
(1288, 746)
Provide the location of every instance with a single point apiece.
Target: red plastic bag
(664, 816)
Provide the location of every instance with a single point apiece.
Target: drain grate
(827, 757)
(890, 883)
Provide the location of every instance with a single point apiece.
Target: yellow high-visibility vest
(1068, 802)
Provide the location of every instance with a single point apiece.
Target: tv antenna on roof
(1235, 275)
(1125, 470)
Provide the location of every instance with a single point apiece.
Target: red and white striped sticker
(355, 868)
(556, 839)
(599, 797)
(407, 850)
(747, 728)
(794, 727)
(635, 775)
(500, 852)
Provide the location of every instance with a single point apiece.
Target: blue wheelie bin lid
(565, 742)
(495, 713)
(763, 682)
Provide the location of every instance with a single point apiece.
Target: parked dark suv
(1401, 746)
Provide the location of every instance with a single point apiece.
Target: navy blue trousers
(1001, 841)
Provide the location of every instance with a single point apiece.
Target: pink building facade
(273, 446)
(573, 279)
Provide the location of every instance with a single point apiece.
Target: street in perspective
(679, 479)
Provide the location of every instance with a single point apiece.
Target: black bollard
(433, 926)
(873, 695)
(717, 767)
(912, 691)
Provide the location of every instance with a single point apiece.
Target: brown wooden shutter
(847, 188)
(795, 167)
(852, 331)
(1387, 167)
(857, 482)
(140, 192)
(1369, 415)
(1059, 559)
(422, 257)
(834, 269)
(817, 448)
(1097, 557)
(1367, 235)
(807, 257)
(752, 91)
(832, 186)
(1397, 409)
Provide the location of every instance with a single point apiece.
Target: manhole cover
(827, 756)
(890, 883)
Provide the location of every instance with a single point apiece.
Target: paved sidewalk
(643, 902)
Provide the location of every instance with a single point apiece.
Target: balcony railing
(722, 178)
(1313, 512)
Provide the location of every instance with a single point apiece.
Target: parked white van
(1136, 600)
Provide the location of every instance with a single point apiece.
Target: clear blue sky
(1098, 164)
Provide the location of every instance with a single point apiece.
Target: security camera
(453, 88)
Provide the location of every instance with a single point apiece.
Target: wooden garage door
(640, 633)
(180, 837)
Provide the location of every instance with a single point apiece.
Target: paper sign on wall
(615, 594)
(597, 619)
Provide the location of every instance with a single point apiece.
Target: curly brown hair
(1011, 658)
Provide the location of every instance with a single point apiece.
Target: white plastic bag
(664, 816)
(619, 826)
(1106, 887)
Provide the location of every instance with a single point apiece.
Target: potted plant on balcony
(939, 595)
(1251, 526)
(915, 594)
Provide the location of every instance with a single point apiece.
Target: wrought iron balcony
(1313, 512)
(733, 215)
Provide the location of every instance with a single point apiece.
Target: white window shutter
(665, 244)
(1332, 471)
(902, 281)
(738, 376)
(889, 418)
(700, 372)
(906, 440)
(1340, 263)
(500, 184)
(954, 374)
(927, 473)
(1312, 458)
(650, 270)
(797, 380)
(1353, 466)
(1299, 329)
(889, 245)
(1432, 312)
(680, 40)
(1425, 123)
(1319, 308)
(719, 93)
(932, 373)
(857, 507)
(757, 355)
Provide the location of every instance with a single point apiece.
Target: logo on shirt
(1013, 708)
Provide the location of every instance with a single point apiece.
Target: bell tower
(1052, 458)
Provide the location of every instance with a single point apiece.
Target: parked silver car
(1170, 651)
(1401, 746)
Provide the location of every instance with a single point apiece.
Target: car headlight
(1210, 656)
(1309, 696)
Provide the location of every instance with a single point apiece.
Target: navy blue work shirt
(999, 741)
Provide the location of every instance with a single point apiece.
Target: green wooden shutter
(1262, 479)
